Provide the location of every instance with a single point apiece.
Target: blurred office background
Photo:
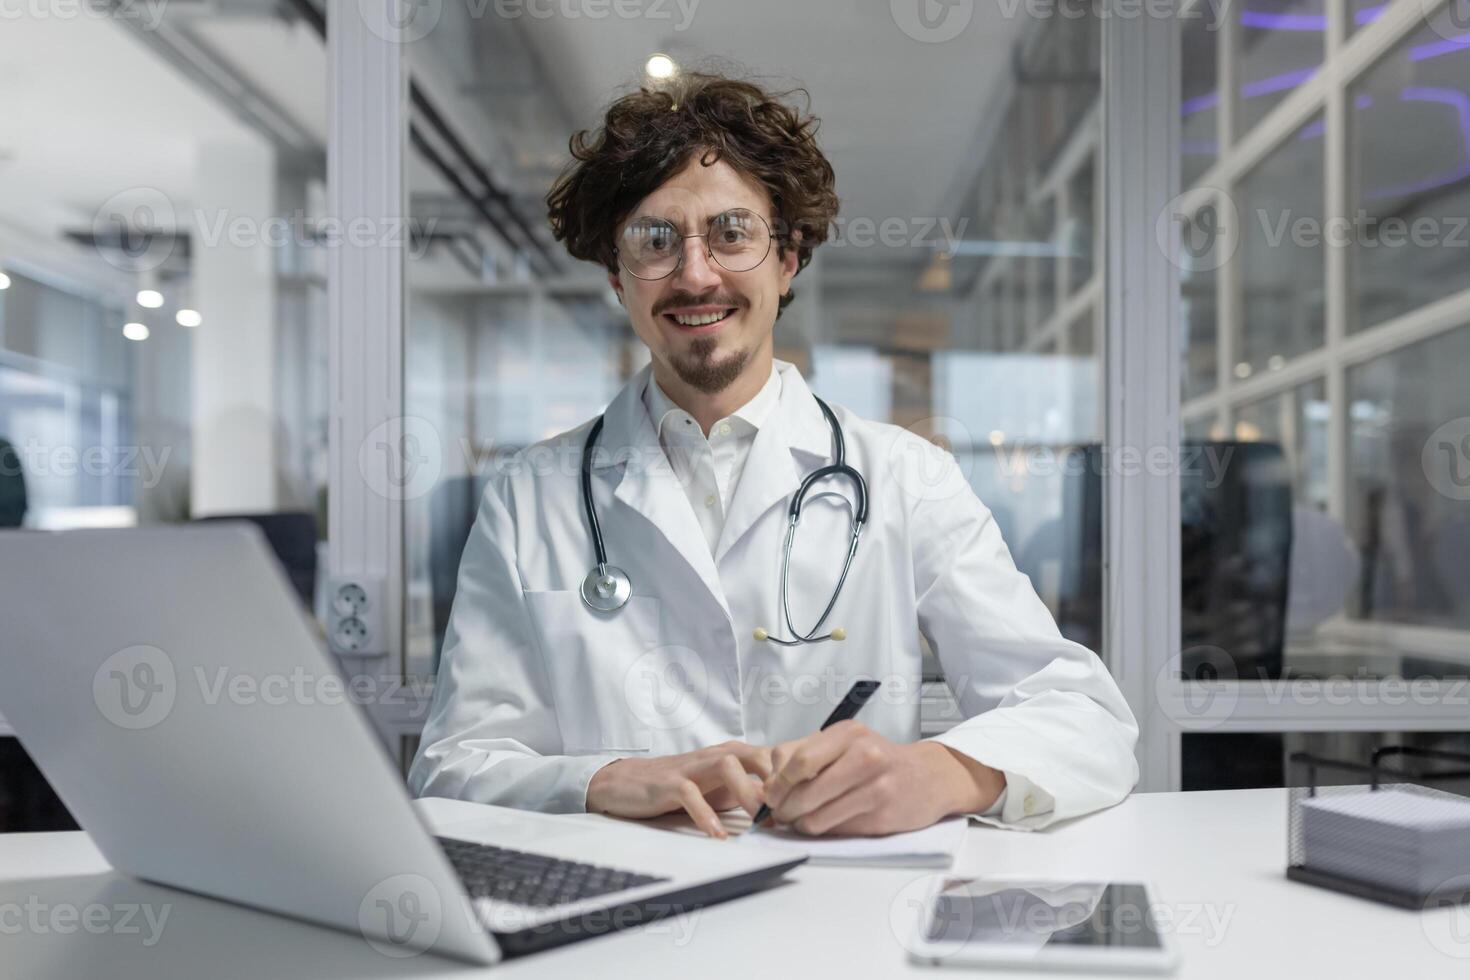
(163, 324)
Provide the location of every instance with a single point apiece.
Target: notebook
(932, 847)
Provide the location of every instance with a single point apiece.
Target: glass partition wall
(958, 295)
(1325, 307)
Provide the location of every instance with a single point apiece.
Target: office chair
(1235, 559)
(12, 487)
(292, 535)
(452, 509)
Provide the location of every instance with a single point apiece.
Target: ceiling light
(188, 318)
(4, 281)
(150, 299)
(660, 66)
(135, 331)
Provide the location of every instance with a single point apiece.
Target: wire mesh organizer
(1392, 836)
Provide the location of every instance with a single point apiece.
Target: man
(703, 200)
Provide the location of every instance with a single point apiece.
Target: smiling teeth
(699, 321)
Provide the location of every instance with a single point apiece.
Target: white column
(378, 458)
(1141, 351)
(234, 403)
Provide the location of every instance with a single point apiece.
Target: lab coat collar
(627, 429)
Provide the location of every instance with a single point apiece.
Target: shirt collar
(662, 411)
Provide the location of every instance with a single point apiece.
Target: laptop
(177, 696)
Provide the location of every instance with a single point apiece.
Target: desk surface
(1216, 860)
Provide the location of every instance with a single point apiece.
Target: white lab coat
(535, 692)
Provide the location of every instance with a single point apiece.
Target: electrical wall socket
(355, 616)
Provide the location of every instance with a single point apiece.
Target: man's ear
(789, 260)
(617, 285)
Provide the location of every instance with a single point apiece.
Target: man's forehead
(698, 193)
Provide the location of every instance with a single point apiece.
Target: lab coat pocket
(590, 657)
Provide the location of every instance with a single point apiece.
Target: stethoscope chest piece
(606, 588)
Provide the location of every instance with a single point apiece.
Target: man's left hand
(848, 779)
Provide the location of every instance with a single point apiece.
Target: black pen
(856, 697)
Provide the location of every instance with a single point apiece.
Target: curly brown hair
(650, 135)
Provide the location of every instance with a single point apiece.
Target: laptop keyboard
(533, 880)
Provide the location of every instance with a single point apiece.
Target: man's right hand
(701, 783)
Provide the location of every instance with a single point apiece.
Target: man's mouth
(699, 317)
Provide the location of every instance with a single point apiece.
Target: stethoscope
(607, 587)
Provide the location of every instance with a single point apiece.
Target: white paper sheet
(932, 847)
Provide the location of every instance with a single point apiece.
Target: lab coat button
(724, 428)
(709, 501)
(1029, 804)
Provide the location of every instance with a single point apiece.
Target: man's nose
(698, 272)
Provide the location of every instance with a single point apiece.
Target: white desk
(1217, 855)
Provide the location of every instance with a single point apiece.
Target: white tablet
(1028, 924)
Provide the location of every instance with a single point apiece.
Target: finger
(849, 813)
(699, 809)
(797, 761)
(755, 758)
(709, 772)
(852, 769)
(747, 791)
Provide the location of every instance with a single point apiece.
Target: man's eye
(656, 241)
(732, 235)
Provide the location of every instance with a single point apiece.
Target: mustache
(685, 299)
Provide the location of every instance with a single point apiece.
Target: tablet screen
(1040, 914)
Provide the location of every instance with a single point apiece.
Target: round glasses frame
(708, 250)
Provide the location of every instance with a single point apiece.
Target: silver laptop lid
(176, 695)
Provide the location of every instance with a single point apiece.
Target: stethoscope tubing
(611, 586)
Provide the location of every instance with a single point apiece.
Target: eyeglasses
(652, 248)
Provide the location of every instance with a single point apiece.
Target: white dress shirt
(709, 468)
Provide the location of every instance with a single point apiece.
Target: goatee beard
(698, 369)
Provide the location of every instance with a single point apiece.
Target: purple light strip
(1267, 21)
(1460, 102)
(1249, 90)
(1434, 49)
(1282, 22)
